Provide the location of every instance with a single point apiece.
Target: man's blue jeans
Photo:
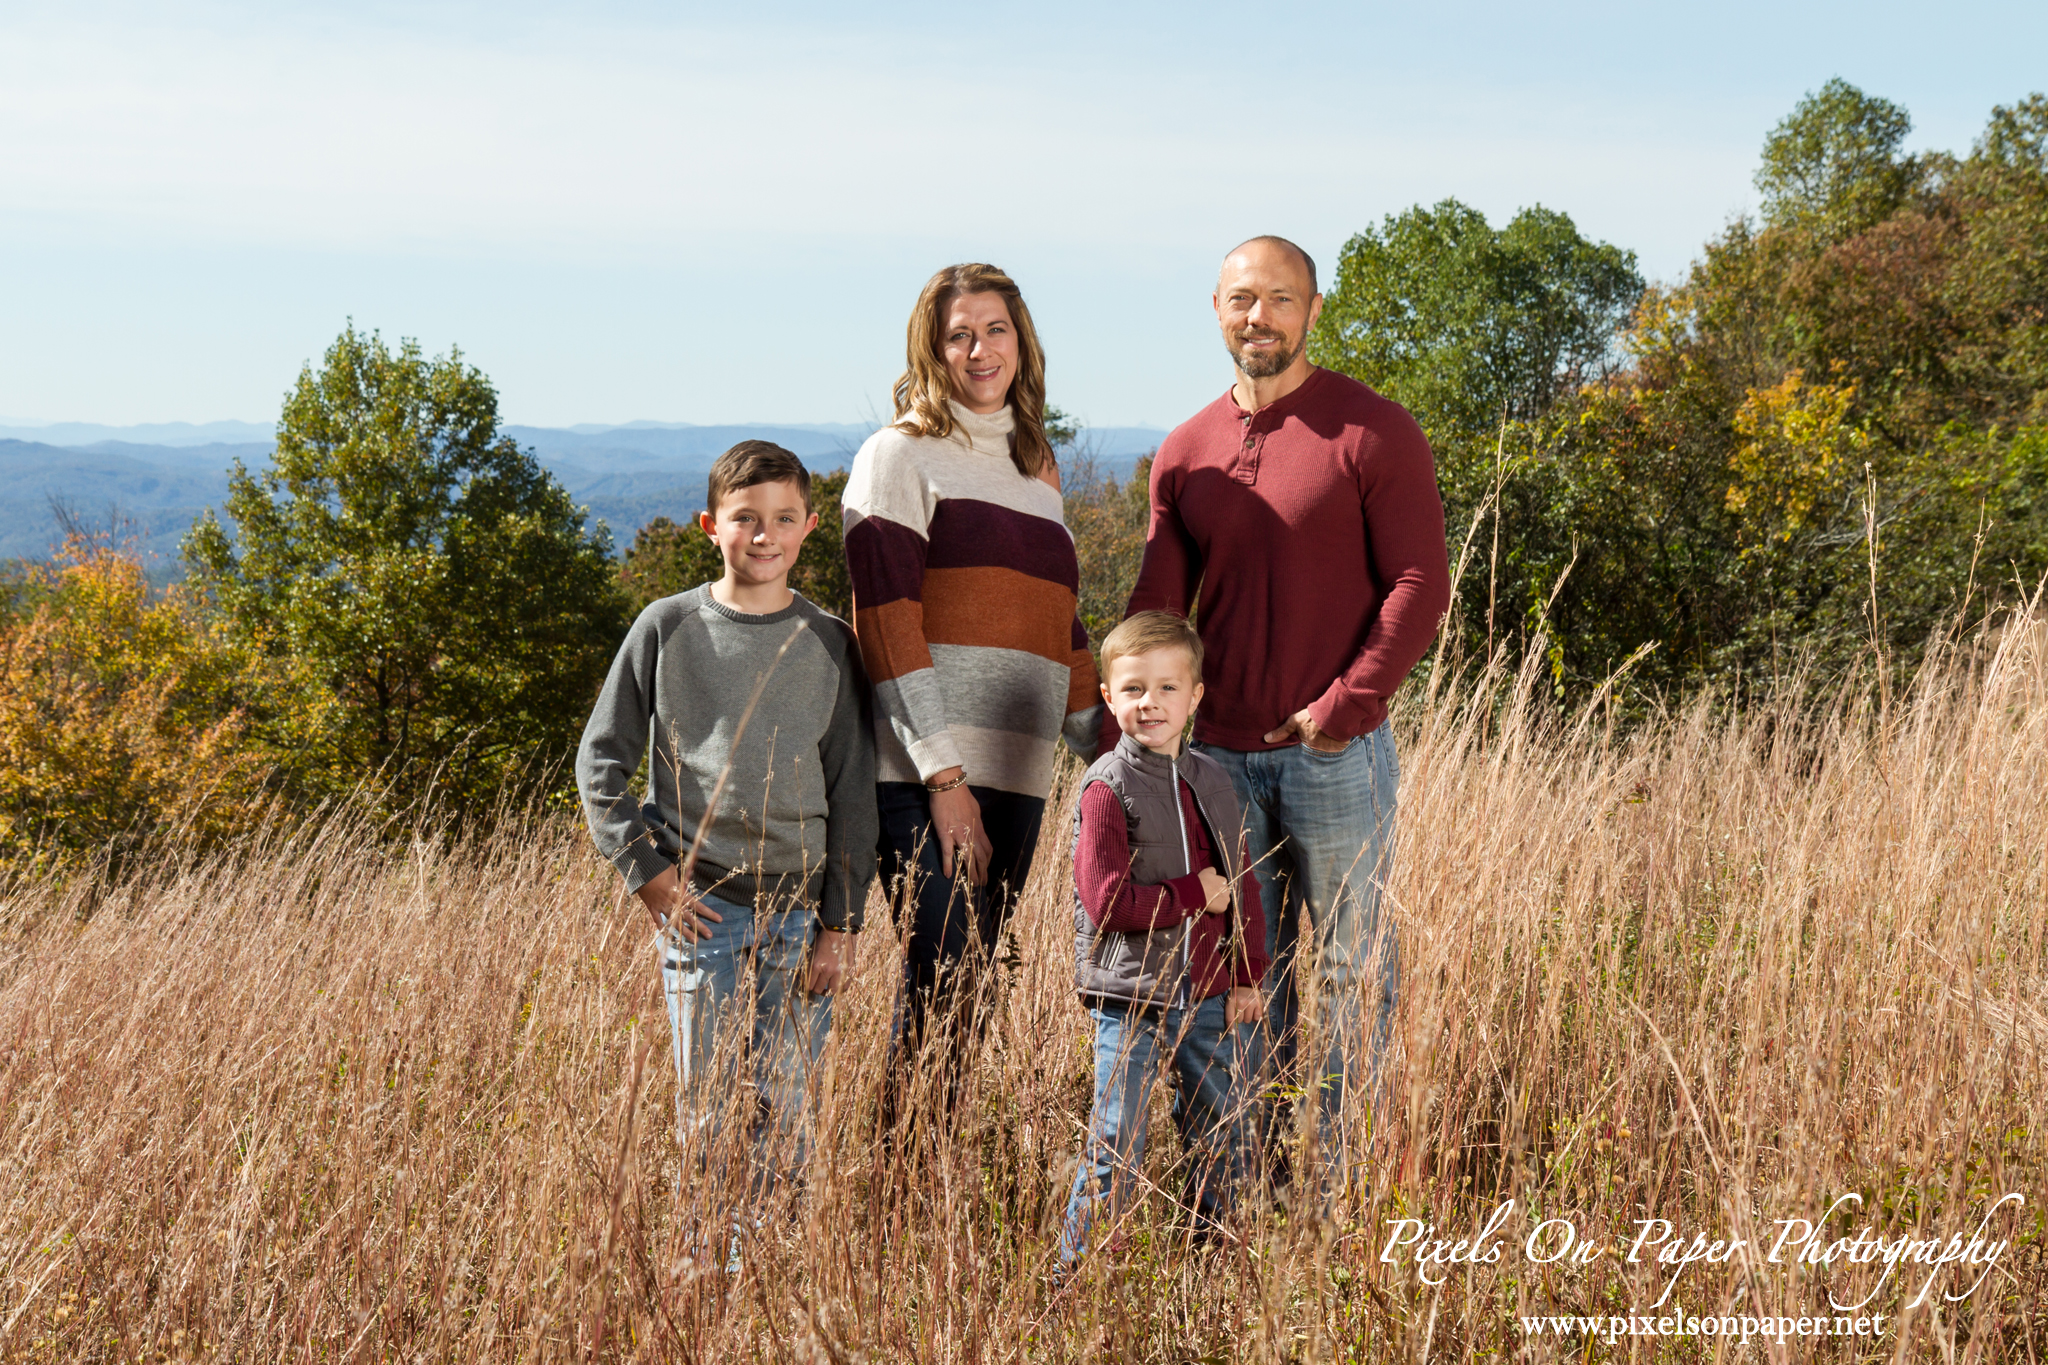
(1211, 1093)
(1321, 834)
(747, 980)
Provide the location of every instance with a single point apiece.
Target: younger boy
(1169, 936)
(761, 934)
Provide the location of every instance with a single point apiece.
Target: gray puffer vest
(1151, 968)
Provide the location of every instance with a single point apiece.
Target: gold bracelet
(959, 781)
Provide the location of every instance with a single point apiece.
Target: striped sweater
(965, 589)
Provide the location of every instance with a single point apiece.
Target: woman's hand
(1217, 888)
(667, 902)
(956, 824)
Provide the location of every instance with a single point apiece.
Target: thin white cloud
(581, 139)
(707, 213)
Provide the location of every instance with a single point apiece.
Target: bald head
(1268, 246)
(1266, 303)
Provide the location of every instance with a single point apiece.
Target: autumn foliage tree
(121, 719)
(1851, 387)
(1108, 518)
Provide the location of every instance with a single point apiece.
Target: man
(1301, 510)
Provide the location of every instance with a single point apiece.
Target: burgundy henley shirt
(1314, 535)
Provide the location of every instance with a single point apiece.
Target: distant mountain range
(157, 479)
(147, 433)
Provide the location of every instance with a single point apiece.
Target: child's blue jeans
(748, 976)
(1211, 1094)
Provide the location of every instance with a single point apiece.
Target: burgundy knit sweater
(1313, 532)
(1102, 876)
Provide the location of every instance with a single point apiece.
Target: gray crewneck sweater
(797, 816)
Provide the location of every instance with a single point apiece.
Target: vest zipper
(1226, 857)
(1187, 853)
(1187, 857)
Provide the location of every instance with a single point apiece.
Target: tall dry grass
(329, 1100)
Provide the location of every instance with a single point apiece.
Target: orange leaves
(118, 717)
(1108, 521)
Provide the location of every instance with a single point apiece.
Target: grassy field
(330, 1099)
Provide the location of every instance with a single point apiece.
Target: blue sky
(722, 213)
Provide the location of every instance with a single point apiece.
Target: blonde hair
(924, 387)
(1144, 631)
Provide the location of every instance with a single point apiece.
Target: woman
(964, 592)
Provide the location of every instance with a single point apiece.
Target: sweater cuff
(1188, 895)
(934, 754)
(641, 862)
(1341, 713)
(843, 904)
(1083, 731)
(832, 906)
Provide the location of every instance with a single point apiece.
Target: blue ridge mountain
(156, 480)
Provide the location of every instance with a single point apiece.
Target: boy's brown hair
(1144, 631)
(752, 462)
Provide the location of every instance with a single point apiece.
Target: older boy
(1169, 936)
(780, 814)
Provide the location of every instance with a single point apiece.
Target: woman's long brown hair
(923, 389)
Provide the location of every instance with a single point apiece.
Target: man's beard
(1263, 364)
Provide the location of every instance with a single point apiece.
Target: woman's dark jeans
(954, 928)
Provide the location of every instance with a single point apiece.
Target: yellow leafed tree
(118, 717)
(1800, 451)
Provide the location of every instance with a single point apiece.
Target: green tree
(668, 557)
(1465, 325)
(1061, 428)
(1997, 288)
(1833, 167)
(1481, 334)
(436, 610)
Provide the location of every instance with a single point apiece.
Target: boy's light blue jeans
(749, 976)
(1211, 1094)
(1321, 833)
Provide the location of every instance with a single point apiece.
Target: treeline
(1826, 443)
(410, 612)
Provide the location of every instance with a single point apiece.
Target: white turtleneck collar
(988, 434)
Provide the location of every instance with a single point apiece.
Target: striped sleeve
(1084, 696)
(886, 519)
